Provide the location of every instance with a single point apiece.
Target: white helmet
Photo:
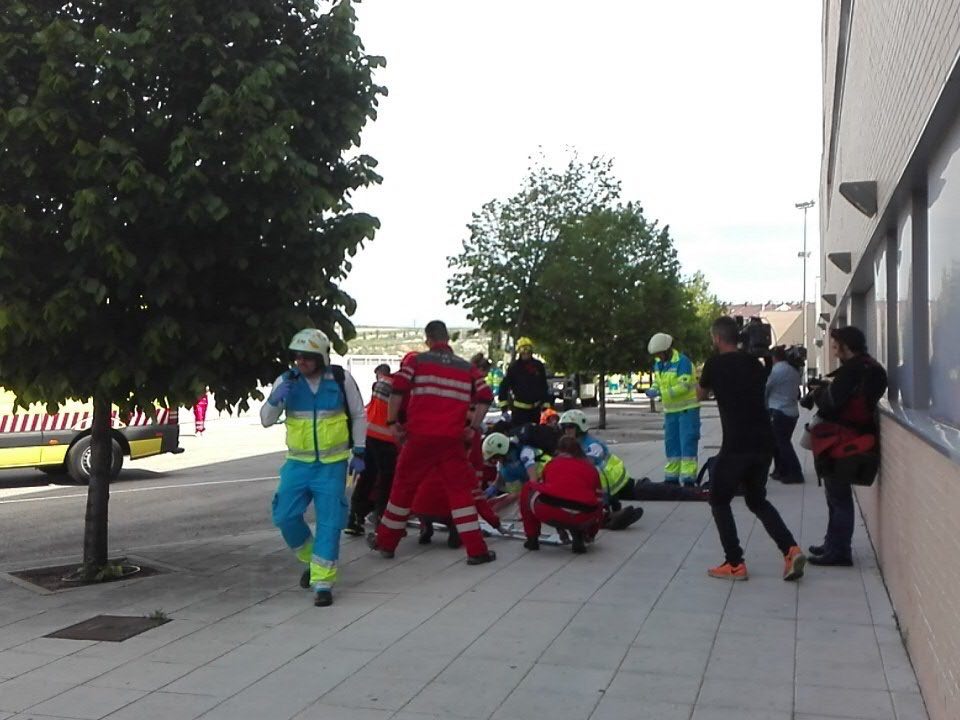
(495, 445)
(577, 418)
(312, 341)
(661, 342)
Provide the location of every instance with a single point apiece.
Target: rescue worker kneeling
(568, 497)
(617, 484)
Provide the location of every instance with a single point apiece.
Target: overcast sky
(710, 111)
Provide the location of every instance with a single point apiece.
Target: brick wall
(900, 55)
(913, 516)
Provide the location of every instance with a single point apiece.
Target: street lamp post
(804, 254)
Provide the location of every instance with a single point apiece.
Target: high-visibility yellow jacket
(676, 382)
(317, 423)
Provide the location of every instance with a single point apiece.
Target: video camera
(814, 386)
(755, 336)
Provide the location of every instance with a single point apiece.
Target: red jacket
(568, 478)
(441, 388)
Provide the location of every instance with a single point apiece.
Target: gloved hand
(357, 465)
(652, 392)
(490, 492)
(281, 391)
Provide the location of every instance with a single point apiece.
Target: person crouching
(567, 497)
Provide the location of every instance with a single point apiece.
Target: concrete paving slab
(85, 702)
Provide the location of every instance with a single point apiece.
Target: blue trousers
(325, 485)
(681, 435)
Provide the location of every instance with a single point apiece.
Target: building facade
(890, 230)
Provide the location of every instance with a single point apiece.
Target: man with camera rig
(848, 405)
(737, 381)
(782, 393)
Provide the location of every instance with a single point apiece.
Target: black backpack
(340, 376)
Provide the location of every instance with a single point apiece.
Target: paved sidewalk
(634, 629)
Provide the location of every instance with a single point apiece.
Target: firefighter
(524, 389)
(441, 388)
(569, 497)
(373, 486)
(326, 430)
(675, 383)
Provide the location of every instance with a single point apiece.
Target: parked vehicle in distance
(59, 443)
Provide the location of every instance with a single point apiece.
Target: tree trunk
(603, 401)
(98, 493)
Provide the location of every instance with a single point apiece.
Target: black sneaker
(372, 544)
(305, 579)
(578, 546)
(354, 526)
(532, 543)
(323, 598)
(817, 549)
(453, 538)
(426, 533)
(489, 556)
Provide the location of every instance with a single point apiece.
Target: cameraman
(737, 381)
(849, 400)
(782, 393)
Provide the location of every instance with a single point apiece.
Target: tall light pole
(804, 254)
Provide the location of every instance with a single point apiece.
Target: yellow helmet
(313, 342)
(524, 342)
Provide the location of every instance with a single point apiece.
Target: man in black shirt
(738, 380)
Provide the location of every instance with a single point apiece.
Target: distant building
(889, 224)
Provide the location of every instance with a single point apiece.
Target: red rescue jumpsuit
(568, 496)
(441, 388)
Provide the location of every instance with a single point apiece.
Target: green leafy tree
(702, 308)
(512, 241)
(614, 282)
(174, 199)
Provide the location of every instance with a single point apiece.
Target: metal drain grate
(108, 628)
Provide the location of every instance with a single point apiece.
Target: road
(222, 484)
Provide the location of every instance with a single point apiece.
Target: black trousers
(522, 416)
(841, 516)
(750, 471)
(785, 460)
(373, 485)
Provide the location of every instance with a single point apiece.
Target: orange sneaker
(793, 563)
(729, 572)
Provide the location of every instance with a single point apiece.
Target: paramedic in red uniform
(569, 497)
(441, 388)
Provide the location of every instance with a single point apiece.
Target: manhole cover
(108, 628)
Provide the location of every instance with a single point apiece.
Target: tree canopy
(512, 241)
(175, 181)
(616, 283)
(175, 191)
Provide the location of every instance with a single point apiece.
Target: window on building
(943, 198)
(904, 371)
(879, 320)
